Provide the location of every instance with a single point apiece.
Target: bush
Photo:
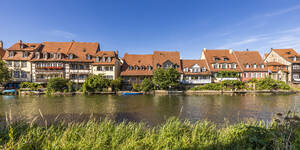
(210, 86)
(233, 84)
(57, 85)
(115, 84)
(228, 74)
(136, 87)
(147, 85)
(95, 83)
(166, 78)
(31, 86)
(271, 84)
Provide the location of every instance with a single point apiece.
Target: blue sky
(141, 26)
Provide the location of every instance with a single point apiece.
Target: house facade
(278, 71)
(252, 65)
(221, 61)
(195, 72)
(289, 58)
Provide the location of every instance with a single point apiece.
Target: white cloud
(63, 34)
(283, 11)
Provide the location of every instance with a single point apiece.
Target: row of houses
(39, 62)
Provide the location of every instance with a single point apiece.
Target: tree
(147, 85)
(95, 83)
(57, 85)
(30, 85)
(4, 73)
(115, 84)
(166, 78)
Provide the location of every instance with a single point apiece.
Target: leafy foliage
(136, 87)
(147, 85)
(228, 74)
(271, 84)
(115, 84)
(210, 86)
(32, 86)
(95, 83)
(4, 73)
(226, 85)
(166, 78)
(57, 85)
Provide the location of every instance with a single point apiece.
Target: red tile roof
(137, 60)
(25, 46)
(112, 54)
(287, 54)
(250, 58)
(210, 56)
(160, 57)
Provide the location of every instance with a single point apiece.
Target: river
(152, 109)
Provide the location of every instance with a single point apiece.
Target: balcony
(80, 71)
(49, 69)
(201, 81)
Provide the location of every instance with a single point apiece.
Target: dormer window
(224, 66)
(225, 59)
(88, 57)
(216, 58)
(143, 67)
(149, 67)
(203, 69)
(295, 58)
(32, 46)
(11, 54)
(51, 55)
(233, 65)
(108, 59)
(103, 59)
(45, 55)
(37, 55)
(25, 54)
(136, 68)
(97, 59)
(254, 66)
(215, 66)
(186, 69)
(130, 67)
(71, 56)
(247, 66)
(158, 65)
(262, 66)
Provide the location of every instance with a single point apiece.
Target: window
(143, 67)
(136, 68)
(133, 78)
(81, 67)
(186, 70)
(296, 67)
(149, 68)
(226, 59)
(97, 59)
(247, 66)
(254, 66)
(25, 54)
(279, 67)
(108, 59)
(215, 66)
(103, 59)
(296, 76)
(250, 74)
(106, 68)
(203, 69)
(130, 67)
(9, 63)
(111, 68)
(245, 75)
(99, 68)
(23, 64)
(82, 76)
(158, 65)
(88, 57)
(274, 67)
(109, 77)
(216, 58)
(17, 64)
(224, 66)
(16, 74)
(262, 66)
(51, 55)
(11, 54)
(71, 56)
(23, 74)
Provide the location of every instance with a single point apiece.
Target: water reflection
(149, 108)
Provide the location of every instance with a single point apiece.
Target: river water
(152, 109)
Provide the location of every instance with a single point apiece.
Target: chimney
(247, 49)
(1, 44)
(21, 43)
(204, 49)
(230, 51)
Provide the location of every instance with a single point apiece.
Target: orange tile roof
(26, 46)
(221, 54)
(18, 56)
(190, 63)
(112, 54)
(274, 64)
(250, 58)
(287, 53)
(137, 60)
(160, 57)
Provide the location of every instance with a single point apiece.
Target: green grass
(173, 134)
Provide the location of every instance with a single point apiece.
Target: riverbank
(173, 134)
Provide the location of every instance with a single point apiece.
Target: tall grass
(173, 134)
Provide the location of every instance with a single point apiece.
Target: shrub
(115, 84)
(57, 85)
(30, 85)
(233, 84)
(95, 83)
(136, 87)
(166, 78)
(147, 85)
(271, 84)
(228, 74)
(210, 86)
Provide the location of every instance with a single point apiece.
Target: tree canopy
(166, 78)
(4, 73)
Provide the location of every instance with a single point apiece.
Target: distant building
(252, 65)
(195, 72)
(221, 60)
(288, 57)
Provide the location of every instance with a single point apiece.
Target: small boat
(10, 91)
(132, 93)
